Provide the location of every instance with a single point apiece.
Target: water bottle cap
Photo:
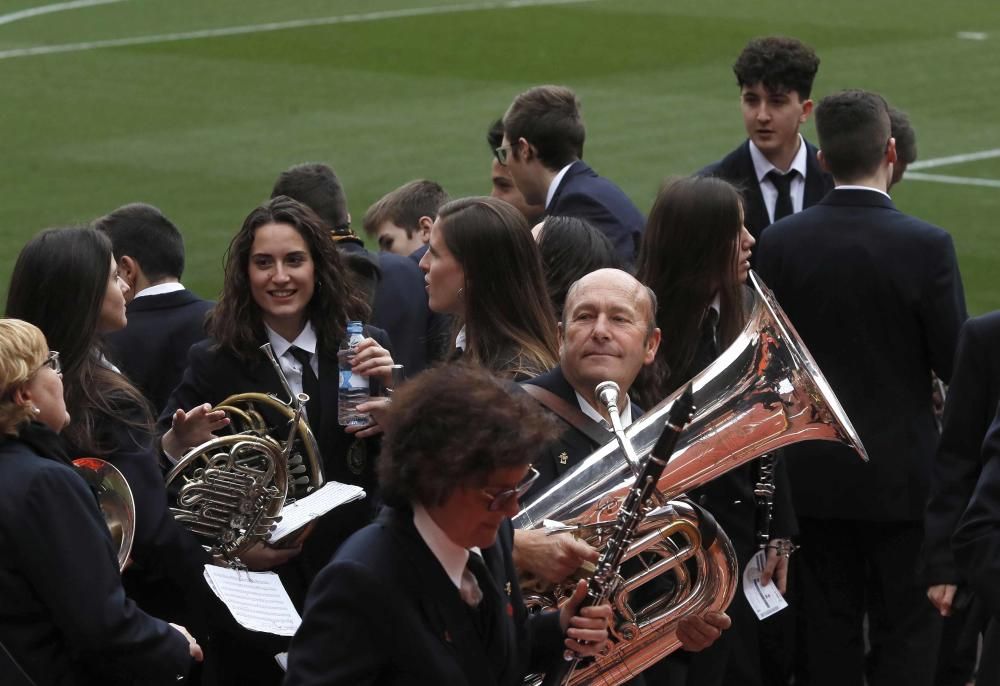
(354, 327)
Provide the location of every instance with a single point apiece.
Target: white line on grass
(278, 26)
(11, 17)
(956, 180)
(955, 159)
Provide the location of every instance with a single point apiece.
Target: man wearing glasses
(542, 148)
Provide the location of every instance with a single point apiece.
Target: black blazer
(977, 539)
(877, 298)
(384, 612)
(737, 168)
(65, 617)
(214, 374)
(971, 405)
(400, 308)
(152, 349)
(584, 194)
(573, 446)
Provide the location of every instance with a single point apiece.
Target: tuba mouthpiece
(607, 393)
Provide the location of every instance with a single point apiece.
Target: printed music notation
(257, 600)
(313, 506)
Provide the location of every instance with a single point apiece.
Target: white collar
(160, 289)
(460, 338)
(624, 412)
(452, 556)
(556, 180)
(761, 165)
(863, 188)
(305, 340)
(716, 303)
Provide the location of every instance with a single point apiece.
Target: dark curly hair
(236, 323)
(781, 64)
(455, 425)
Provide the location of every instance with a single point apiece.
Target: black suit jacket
(384, 612)
(400, 308)
(977, 539)
(737, 168)
(65, 617)
(152, 349)
(213, 374)
(877, 298)
(971, 405)
(584, 194)
(573, 446)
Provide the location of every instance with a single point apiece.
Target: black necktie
(783, 182)
(709, 334)
(486, 608)
(310, 386)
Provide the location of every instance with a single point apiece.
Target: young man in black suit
(973, 397)
(164, 318)
(775, 167)
(502, 185)
(877, 297)
(542, 148)
(977, 551)
(401, 219)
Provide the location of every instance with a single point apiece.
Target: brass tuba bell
(230, 490)
(764, 392)
(115, 499)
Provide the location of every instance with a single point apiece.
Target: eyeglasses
(52, 362)
(502, 154)
(502, 500)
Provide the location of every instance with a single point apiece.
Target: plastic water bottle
(353, 388)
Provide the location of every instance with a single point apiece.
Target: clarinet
(630, 514)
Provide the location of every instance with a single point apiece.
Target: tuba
(230, 489)
(115, 499)
(764, 392)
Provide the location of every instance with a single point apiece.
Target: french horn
(115, 499)
(764, 392)
(230, 489)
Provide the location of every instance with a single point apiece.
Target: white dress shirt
(625, 413)
(797, 188)
(160, 289)
(452, 556)
(292, 368)
(556, 180)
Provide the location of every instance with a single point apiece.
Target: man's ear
(559, 337)
(890, 151)
(807, 108)
(130, 271)
(652, 345)
(822, 161)
(527, 150)
(424, 228)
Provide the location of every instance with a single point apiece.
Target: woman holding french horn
(65, 618)
(284, 285)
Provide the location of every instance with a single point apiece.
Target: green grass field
(200, 126)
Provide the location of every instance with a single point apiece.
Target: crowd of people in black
(505, 312)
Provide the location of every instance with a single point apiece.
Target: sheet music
(764, 600)
(257, 600)
(304, 510)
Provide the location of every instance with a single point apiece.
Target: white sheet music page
(257, 600)
(764, 600)
(313, 506)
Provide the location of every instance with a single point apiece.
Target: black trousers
(845, 569)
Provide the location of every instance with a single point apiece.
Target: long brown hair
(509, 324)
(236, 323)
(688, 254)
(59, 283)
